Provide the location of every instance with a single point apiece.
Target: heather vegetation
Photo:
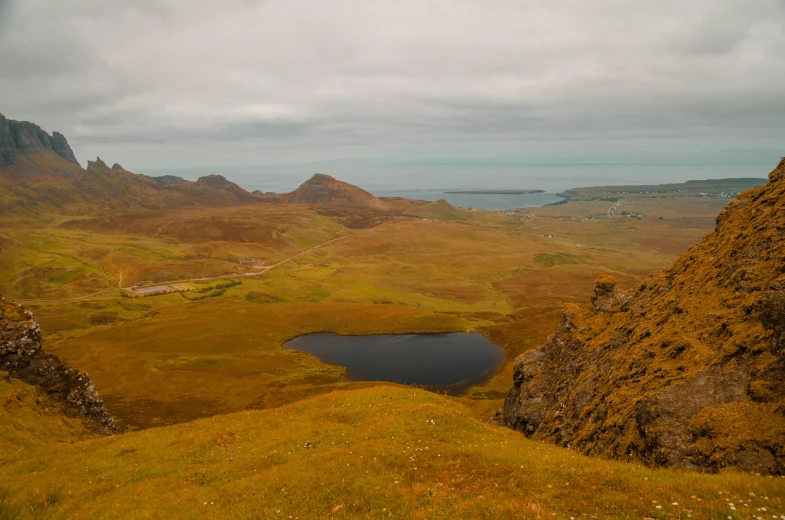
(216, 420)
(383, 452)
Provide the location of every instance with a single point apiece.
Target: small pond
(450, 362)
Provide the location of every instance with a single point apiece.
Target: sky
(411, 93)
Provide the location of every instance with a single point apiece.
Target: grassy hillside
(376, 450)
(164, 359)
(383, 452)
(440, 210)
(39, 183)
(711, 188)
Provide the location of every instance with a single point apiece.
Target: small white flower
(659, 506)
(675, 504)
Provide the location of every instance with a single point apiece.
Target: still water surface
(492, 201)
(450, 362)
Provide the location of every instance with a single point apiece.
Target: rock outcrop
(98, 166)
(166, 180)
(23, 357)
(686, 370)
(213, 180)
(22, 137)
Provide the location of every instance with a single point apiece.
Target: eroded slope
(22, 357)
(686, 370)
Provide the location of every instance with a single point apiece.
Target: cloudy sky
(157, 84)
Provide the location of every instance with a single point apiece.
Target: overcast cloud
(159, 83)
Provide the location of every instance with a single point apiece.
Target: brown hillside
(43, 181)
(686, 370)
(440, 210)
(323, 190)
(39, 174)
(214, 187)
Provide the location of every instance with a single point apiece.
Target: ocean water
(428, 180)
(492, 201)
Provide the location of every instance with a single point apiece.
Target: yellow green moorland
(216, 415)
(171, 358)
(381, 452)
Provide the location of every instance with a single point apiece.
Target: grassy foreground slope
(382, 452)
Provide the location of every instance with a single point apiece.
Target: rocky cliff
(687, 369)
(23, 357)
(22, 137)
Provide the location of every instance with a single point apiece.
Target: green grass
(491, 272)
(165, 360)
(551, 259)
(380, 452)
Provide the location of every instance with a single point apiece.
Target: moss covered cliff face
(686, 370)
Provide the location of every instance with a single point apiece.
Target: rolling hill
(323, 190)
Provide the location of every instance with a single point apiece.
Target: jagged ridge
(22, 137)
(23, 357)
(686, 370)
(39, 172)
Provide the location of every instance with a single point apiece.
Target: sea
(488, 201)
(433, 181)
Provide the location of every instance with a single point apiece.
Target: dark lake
(450, 362)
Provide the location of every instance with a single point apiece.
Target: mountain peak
(97, 166)
(325, 190)
(23, 138)
(321, 177)
(214, 180)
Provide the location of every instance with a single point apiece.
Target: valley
(166, 359)
(180, 312)
(366, 260)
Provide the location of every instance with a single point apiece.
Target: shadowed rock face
(166, 180)
(686, 370)
(22, 356)
(22, 137)
(98, 166)
(62, 148)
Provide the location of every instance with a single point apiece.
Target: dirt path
(262, 270)
(206, 278)
(66, 299)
